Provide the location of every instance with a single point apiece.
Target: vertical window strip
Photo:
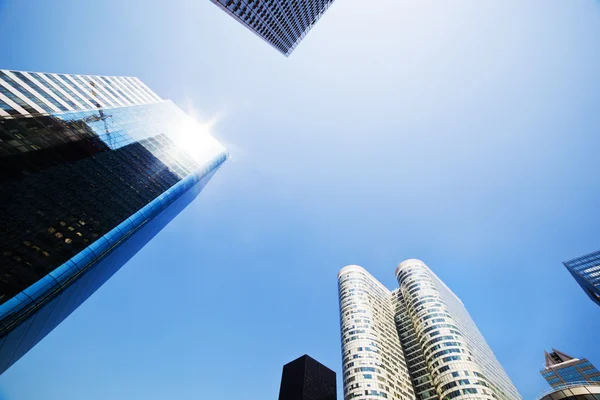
(122, 85)
(68, 90)
(117, 88)
(43, 107)
(27, 109)
(146, 89)
(40, 91)
(8, 109)
(85, 95)
(100, 85)
(92, 88)
(57, 92)
(109, 87)
(137, 91)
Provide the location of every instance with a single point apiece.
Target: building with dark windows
(281, 23)
(307, 379)
(562, 369)
(416, 342)
(91, 168)
(586, 271)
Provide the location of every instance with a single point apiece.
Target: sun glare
(195, 139)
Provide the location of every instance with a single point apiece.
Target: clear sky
(464, 133)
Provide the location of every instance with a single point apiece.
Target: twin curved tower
(416, 342)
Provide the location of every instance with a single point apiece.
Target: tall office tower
(562, 369)
(281, 23)
(91, 168)
(307, 379)
(372, 358)
(417, 342)
(586, 271)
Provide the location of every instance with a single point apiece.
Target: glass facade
(281, 23)
(82, 191)
(562, 369)
(307, 379)
(586, 271)
(417, 342)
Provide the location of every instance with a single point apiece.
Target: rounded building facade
(451, 364)
(372, 359)
(574, 391)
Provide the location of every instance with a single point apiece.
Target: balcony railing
(566, 386)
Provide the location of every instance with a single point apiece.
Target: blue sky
(464, 133)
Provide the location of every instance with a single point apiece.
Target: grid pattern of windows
(586, 271)
(415, 342)
(81, 192)
(373, 360)
(570, 371)
(282, 23)
(448, 355)
(482, 353)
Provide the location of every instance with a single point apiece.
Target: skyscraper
(416, 342)
(281, 23)
(562, 369)
(586, 271)
(91, 168)
(307, 379)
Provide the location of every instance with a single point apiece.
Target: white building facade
(38, 93)
(420, 340)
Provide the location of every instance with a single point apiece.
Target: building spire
(556, 357)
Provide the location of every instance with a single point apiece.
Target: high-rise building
(416, 342)
(586, 271)
(281, 23)
(307, 379)
(562, 369)
(91, 168)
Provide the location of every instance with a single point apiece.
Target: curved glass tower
(435, 350)
(91, 168)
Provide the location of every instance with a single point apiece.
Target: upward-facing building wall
(281, 23)
(372, 358)
(452, 344)
(436, 350)
(586, 271)
(91, 168)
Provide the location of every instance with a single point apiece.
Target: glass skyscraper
(281, 23)
(416, 342)
(91, 168)
(586, 271)
(562, 369)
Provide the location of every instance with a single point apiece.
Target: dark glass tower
(586, 271)
(91, 168)
(307, 379)
(562, 369)
(281, 23)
